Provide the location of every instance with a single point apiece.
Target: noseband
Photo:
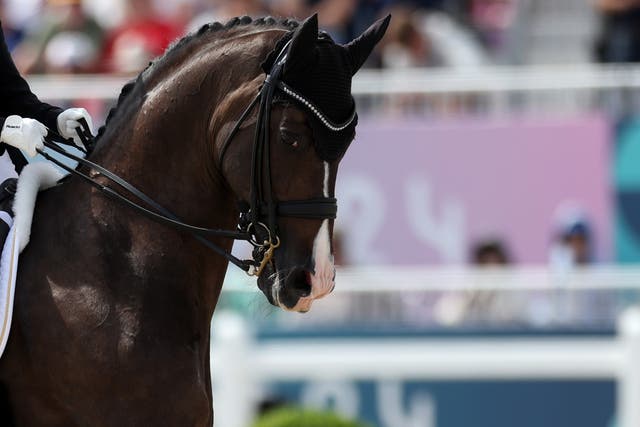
(258, 216)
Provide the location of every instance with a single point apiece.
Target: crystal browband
(316, 111)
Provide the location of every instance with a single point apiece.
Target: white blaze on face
(322, 282)
(324, 272)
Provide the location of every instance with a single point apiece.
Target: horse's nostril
(300, 283)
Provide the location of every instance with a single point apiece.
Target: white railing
(240, 364)
(419, 278)
(536, 297)
(556, 89)
(423, 81)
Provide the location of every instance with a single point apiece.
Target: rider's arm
(16, 96)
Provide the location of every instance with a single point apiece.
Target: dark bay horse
(112, 309)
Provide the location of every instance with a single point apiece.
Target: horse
(113, 309)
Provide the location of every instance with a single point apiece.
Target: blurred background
(489, 225)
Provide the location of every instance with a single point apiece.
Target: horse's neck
(162, 150)
(164, 146)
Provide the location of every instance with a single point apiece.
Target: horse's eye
(290, 138)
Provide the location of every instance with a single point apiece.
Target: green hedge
(294, 417)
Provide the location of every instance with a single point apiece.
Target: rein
(161, 214)
(258, 217)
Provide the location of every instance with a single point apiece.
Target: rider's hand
(68, 121)
(25, 134)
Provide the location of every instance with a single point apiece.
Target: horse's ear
(302, 43)
(360, 48)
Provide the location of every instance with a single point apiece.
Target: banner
(413, 192)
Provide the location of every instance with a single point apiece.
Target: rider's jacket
(16, 98)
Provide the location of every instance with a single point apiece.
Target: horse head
(307, 118)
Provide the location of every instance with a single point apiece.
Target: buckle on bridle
(269, 248)
(264, 251)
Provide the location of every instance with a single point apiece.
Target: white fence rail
(430, 81)
(495, 90)
(425, 296)
(420, 278)
(240, 365)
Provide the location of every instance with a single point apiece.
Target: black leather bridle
(258, 216)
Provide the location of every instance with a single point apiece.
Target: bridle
(258, 217)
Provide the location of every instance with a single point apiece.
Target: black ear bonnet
(318, 73)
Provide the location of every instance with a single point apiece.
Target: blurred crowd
(121, 36)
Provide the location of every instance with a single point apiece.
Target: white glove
(68, 122)
(25, 134)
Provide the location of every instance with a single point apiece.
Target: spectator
(453, 45)
(13, 34)
(109, 14)
(490, 253)
(143, 36)
(482, 307)
(572, 241)
(429, 38)
(404, 44)
(573, 247)
(66, 40)
(619, 39)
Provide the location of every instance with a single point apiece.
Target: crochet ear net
(360, 48)
(302, 50)
(320, 71)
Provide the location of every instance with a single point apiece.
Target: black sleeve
(16, 96)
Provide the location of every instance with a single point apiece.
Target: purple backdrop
(412, 192)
